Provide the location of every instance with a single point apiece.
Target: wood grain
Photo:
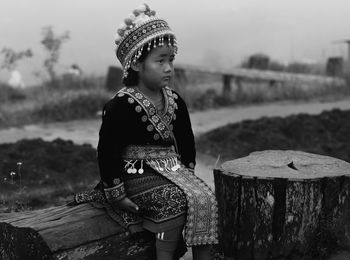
(283, 204)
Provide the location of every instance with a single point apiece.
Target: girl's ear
(135, 66)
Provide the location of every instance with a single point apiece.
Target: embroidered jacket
(130, 118)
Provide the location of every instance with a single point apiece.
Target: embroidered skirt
(168, 195)
(162, 205)
(201, 212)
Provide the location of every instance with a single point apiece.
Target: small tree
(12, 57)
(52, 44)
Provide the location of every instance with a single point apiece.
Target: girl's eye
(161, 61)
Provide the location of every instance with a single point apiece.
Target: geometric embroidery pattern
(160, 122)
(202, 213)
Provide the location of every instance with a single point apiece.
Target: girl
(146, 149)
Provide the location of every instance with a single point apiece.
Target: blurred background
(218, 34)
(256, 75)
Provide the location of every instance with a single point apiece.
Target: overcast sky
(218, 33)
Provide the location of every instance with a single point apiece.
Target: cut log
(76, 232)
(283, 205)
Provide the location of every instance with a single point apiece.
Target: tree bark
(76, 232)
(283, 205)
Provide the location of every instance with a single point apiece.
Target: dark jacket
(130, 119)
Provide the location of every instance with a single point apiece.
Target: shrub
(10, 94)
(70, 99)
(71, 105)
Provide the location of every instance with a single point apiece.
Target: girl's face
(156, 71)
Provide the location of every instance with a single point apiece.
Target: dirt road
(86, 131)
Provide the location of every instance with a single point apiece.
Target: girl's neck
(150, 93)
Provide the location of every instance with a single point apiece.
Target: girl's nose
(168, 67)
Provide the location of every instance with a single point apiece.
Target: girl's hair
(133, 76)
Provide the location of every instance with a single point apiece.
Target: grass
(204, 91)
(72, 98)
(53, 171)
(50, 172)
(8, 93)
(68, 99)
(260, 93)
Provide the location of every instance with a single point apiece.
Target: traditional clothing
(146, 150)
(141, 30)
(150, 157)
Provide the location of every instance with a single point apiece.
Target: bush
(70, 99)
(10, 94)
(74, 82)
(71, 105)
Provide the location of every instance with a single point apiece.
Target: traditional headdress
(139, 29)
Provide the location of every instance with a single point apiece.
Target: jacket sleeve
(112, 141)
(184, 135)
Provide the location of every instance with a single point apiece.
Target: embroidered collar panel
(161, 122)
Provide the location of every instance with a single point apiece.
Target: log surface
(286, 164)
(283, 205)
(77, 232)
(22, 243)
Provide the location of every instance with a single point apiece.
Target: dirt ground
(86, 131)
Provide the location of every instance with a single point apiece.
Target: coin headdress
(141, 29)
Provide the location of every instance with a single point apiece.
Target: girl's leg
(201, 252)
(161, 254)
(166, 243)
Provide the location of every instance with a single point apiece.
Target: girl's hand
(127, 204)
(190, 170)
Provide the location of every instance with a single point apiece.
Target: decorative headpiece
(139, 29)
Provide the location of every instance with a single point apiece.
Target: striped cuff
(190, 170)
(115, 193)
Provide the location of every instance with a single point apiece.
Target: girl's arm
(184, 135)
(112, 141)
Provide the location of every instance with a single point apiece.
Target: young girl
(146, 149)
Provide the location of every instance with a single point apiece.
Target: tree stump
(75, 232)
(283, 205)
